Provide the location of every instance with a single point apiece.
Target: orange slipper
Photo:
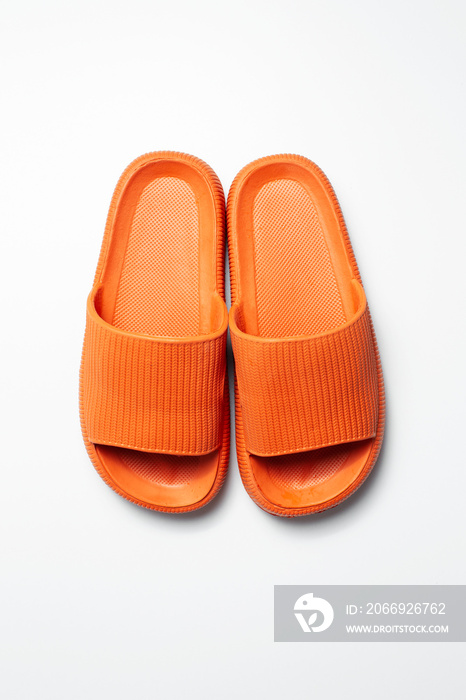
(154, 391)
(309, 387)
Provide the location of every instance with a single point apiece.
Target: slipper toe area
(158, 480)
(311, 480)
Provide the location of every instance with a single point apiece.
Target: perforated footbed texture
(290, 472)
(304, 286)
(166, 470)
(158, 295)
(158, 292)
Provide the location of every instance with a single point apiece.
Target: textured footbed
(165, 470)
(290, 249)
(158, 295)
(295, 471)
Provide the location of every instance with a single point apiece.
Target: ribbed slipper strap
(307, 392)
(153, 394)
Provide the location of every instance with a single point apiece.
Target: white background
(100, 598)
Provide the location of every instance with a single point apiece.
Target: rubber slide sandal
(308, 380)
(154, 392)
